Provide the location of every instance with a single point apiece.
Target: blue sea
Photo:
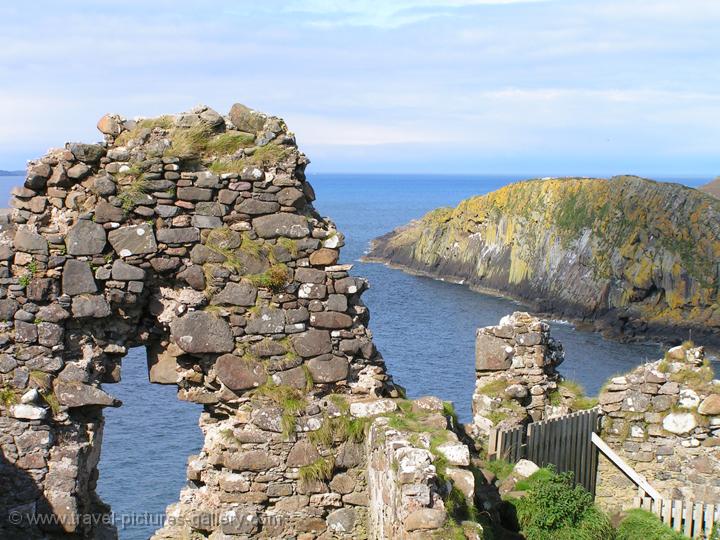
(424, 328)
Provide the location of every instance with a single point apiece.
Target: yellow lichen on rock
(644, 250)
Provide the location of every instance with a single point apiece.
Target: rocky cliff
(631, 255)
(713, 188)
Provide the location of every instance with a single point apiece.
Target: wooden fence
(693, 519)
(564, 442)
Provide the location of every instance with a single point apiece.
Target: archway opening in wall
(146, 445)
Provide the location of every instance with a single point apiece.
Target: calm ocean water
(424, 328)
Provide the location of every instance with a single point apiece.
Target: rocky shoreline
(604, 326)
(645, 286)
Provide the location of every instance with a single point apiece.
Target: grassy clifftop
(637, 254)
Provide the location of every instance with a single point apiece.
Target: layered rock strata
(629, 255)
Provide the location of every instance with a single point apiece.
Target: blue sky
(457, 86)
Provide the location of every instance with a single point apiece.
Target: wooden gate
(564, 442)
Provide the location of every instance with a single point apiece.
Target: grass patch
(643, 524)
(500, 468)
(289, 399)
(309, 381)
(584, 403)
(318, 471)
(494, 388)
(449, 412)
(201, 141)
(189, 143)
(41, 379)
(541, 475)
(8, 397)
(696, 378)
(341, 428)
(289, 244)
(229, 142)
(132, 194)
(268, 154)
(275, 278)
(227, 166)
(578, 402)
(52, 401)
(163, 122)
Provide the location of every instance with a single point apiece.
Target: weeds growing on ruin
(319, 470)
(291, 400)
(8, 396)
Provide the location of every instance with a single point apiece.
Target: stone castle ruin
(194, 235)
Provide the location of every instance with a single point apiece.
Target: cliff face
(630, 254)
(713, 188)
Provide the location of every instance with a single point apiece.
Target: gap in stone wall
(145, 448)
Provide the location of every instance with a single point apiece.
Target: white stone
(28, 412)
(637, 432)
(525, 468)
(688, 399)
(339, 268)
(31, 396)
(679, 423)
(483, 423)
(331, 242)
(455, 453)
(413, 460)
(362, 409)
(464, 480)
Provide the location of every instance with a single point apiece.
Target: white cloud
(385, 14)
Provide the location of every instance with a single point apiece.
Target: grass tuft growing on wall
(291, 400)
(318, 471)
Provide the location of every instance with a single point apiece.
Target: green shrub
(500, 468)
(526, 484)
(555, 510)
(645, 525)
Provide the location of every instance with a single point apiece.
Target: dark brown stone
(330, 320)
(239, 374)
(312, 343)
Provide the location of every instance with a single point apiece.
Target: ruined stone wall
(517, 382)
(412, 466)
(663, 419)
(194, 235)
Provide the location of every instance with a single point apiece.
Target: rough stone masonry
(194, 235)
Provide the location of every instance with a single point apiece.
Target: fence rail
(564, 442)
(693, 519)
